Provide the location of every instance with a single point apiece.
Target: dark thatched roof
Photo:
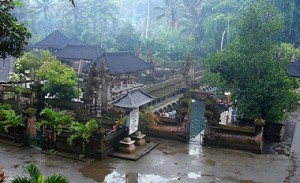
(121, 63)
(293, 69)
(133, 99)
(54, 40)
(77, 52)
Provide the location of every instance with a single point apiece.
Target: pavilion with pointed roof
(77, 56)
(133, 99)
(55, 41)
(131, 102)
(124, 66)
(122, 62)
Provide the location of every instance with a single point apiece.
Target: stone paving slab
(140, 151)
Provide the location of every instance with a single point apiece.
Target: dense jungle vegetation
(168, 27)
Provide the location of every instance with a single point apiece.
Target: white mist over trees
(169, 28)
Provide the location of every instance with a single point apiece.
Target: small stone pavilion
(133, 146)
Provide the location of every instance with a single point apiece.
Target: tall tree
(44, 11)
(249, 68)
(290, 10)
(13, 35)
(171, 11)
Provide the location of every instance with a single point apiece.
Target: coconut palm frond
(32, 170)
(56, 178)
(92, 125)
(19, 179)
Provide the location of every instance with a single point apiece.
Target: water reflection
(132, 177)
(97, 173)
(197, 118)
(193, 150)
(114, 177)
(194, 175)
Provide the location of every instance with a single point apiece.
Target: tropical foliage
(120, 123)
(60, 80)
(82, 131)
(54, 120)
(13, 35)
(249, 67)
(9, 118)
(147, 118)
(34, 175)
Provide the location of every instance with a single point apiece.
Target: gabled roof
(293, 69)
(133, 99)
(6, 66)
(123, 62)
(55, 40)
(77, 52)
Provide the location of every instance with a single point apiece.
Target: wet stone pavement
(170, 161)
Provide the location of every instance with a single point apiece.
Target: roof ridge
(131, 99)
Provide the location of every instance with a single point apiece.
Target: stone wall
(99, 146)
(215, 136)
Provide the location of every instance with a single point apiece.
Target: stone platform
(139, 151)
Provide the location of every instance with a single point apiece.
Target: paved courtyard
(170, 161)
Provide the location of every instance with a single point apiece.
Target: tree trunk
(147, 20)
(83, 147)
(54, 140)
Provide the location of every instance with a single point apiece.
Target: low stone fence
(170, 129)
(243, 138)
(99, 146)
(21, 135)
(168, 120)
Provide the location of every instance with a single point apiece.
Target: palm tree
(83, 131)
(54, 120)
(35, 176)
(191, 20)
(73, 18)
(12, 120)
(172, 12)
(43, 12)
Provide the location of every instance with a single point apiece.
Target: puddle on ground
(195, 150)
(145, 178)
(96, 172)
(194, 175)
(107, 174)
